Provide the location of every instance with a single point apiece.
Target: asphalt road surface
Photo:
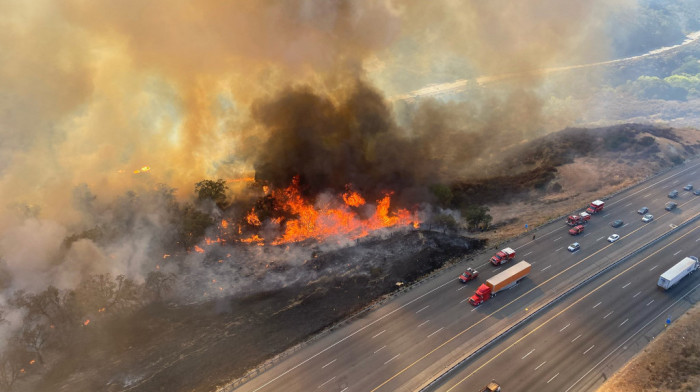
(577, 344)
(419, 334)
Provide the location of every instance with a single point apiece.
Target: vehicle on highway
(613, 238)
(574, 247)
(642, 210)
(580, 219)
(670, 206)
(577, 230)
(503, 256)
(502, 281)
(617, 223)
(469, 274)
(595, 207)
(688, 187)
(673, 194)
(647, 218)
(679, 271)
(492, 387)
(696, 192)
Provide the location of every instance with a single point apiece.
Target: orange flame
(165, 256)
(198, 249)
(252, 218)
(86, 322)
(224, 223)
(333, 218)
(353, 199)
(32, 362)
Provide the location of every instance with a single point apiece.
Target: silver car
(647, 218)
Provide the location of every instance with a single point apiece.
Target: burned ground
(197, 347)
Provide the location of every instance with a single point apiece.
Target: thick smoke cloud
(125, 95)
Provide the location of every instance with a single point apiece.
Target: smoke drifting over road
(107, 97)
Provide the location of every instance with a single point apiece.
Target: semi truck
(500, 282)
(503, 256)
(679, 271)
(595, 207)
(580, 219)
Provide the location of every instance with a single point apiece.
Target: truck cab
(482, 294)
(579, 219)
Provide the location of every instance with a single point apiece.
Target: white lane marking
(611, 312)
(600, 238)
(586, 234)
(423, 308)
(693, 173)
(697, 240)
(649, 303)
(320, 386)
(566, 326)
(392, 358)
(380, 349)
(461, 288)
(546, 267)
(528, 354)
(627, 205)
(677, 181)
(576, 338)
(344, 389)
(596, 305)
(527, 254)
(540, 365)
(625, 286)
(625, 224)
(423, 323)
(441, 328)
(653, 268)
(605, 215)
(631, 336)
(550, 380)
(678, 252)
(558, 239)
(634, 296)
(464, 300)
(559, 249)
(647, 195)
(324, 366)
(589, 349)
(623, 323)
(349, 336)
(474, 309)
(378, 334)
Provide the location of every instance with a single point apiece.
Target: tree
(34, 336)
(126, 294)
(12, 362)
(212, 190)
(159, 283)
(445, 221)
(477, 217)
(193, 224)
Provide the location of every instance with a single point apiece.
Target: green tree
(193, 223)
(212, 190)
(477, 217)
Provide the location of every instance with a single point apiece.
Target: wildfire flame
(331, 219)
(86, 322)
(32, 362)
(198, 249)
(142, 170)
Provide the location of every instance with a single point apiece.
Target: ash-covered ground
(200, 346)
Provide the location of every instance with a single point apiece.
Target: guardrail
(556, 299)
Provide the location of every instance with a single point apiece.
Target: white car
(574, 247)
(613, 238)
(647, 218)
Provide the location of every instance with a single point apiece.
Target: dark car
(642, 210)
(670, 206)
(688, 187)
(673, 194)
(617, 223)
(696, 192)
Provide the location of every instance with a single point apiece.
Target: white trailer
(679, 271)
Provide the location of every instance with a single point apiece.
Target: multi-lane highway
(421, 333)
